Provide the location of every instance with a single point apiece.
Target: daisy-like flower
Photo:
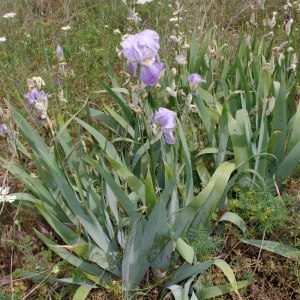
(65, 28)
(4, 196)
(143, 1)
(9, 15)
(2, 39)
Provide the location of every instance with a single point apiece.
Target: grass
(90, 52)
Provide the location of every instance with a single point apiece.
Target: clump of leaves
(259, 207)
(203, 243)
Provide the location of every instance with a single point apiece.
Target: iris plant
(37, 99)
(194, 81)
(142, 49)
(59, 52)
(167, 121)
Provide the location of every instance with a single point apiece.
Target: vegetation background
(90, 32)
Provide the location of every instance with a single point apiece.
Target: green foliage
(247, 110)
(3, 295)
(260, 209)
(117, 231)
(120, 200)
(205, 245)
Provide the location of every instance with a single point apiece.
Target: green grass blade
(187, 271)
(121, 121)
(150, 197)
(76, 261)
(105, 145)
(134, 183)
(289, 163)
(228, 272)
(124, 201)
(279, 121)
(295, 130)
(201, 207)
(185, 250)
(36, 143)
(127, 111)
(219, 290)
(234, 219)
(189, 185)
(275, 247)
(82, 292)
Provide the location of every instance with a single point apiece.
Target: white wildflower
(65, 28)
(2, 39)
(9, 15)
(181, 59)
(176, 19)
(4, 196)
(117, 31)
(185, 46)
(175, 39)
(143, 1)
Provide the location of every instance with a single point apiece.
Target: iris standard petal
(140, 46)
(194, 81)
(165, 118)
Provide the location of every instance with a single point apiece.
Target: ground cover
(199, 170)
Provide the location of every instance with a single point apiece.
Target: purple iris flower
(167, 121)
(194, 81)
(57, 82)
(59, 52)
(142, 49)
(32, 97)
(35, 96)
(3, 129)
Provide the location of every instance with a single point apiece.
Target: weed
(205, 246)
(260, 208)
